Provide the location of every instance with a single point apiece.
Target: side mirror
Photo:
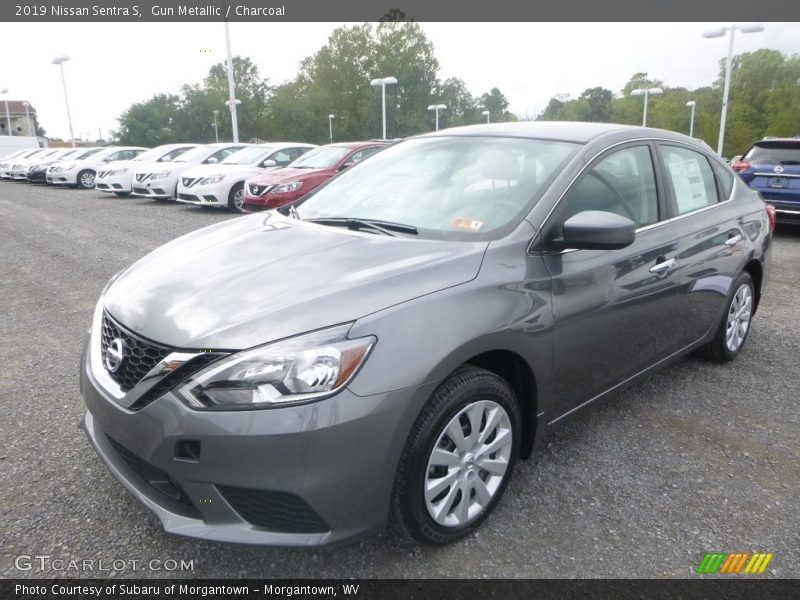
(212, 161)
(597, 230)
(107, 159)
(346, 165)
(269, 163)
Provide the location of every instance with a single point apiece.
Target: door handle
(732, 241)
(663, 266)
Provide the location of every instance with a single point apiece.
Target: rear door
(710, 237)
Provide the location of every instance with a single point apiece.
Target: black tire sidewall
(415, 513)
(720, 338)
(231, 205)
(80, 176)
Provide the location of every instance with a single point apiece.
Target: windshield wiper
(356, 224)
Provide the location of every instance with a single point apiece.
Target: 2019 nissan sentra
(223, 184)
(117, 178)
(280, 187)
(394, 342)
(81, 173)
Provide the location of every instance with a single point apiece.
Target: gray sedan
(394, 342)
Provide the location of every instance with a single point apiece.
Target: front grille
(138, 190)
(157, 479)
(139, 357)
(142, 176)
(274, 511)
(101, 174)
(257, 190)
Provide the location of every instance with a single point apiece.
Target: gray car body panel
(584, 323)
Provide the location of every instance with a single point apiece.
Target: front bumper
(154, 188)
(62, 178)
(114, 183)
(38, 176)
(322, 472)
(214, 194)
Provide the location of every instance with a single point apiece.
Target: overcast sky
(114, 65)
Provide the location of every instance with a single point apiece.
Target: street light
(691, 104)
(216, 131)
(382, 83)
(330, 125)
(437, 108)
(4, 91)
(31, 125)
(60, 60)
(232, 102)
(487, 114)
(646, 92)
(720, 32)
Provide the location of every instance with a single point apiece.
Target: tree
(496, 103)
(151, 122)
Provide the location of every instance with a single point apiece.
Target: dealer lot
(697, 458)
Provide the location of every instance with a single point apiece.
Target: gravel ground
(698, 457)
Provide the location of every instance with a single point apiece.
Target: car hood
(260, 278)
(155, 167)
(120, 164)
(285, 175)
(209, 170)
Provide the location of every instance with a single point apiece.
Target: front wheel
(458, 458)
(735, 324)
(86, 179)
(236, 198)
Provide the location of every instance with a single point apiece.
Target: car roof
(279, 145)
(566, 131)
(778, 140)
(358, 144)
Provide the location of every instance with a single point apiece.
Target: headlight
(64, 168)
(292, 371)
(286, 187)
(213, 179)
(116, 172)
(161, 175)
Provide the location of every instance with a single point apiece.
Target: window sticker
(687, 180)
(468, 224)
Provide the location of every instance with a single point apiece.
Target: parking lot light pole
(436, 108)
(382, 82)
(4, 91)
(31, 125)
(216, 131)
(715, 33)
(232, 101)
(488, 116)
(330, 126)
(60, 60)
(691, 104)
(646, 92)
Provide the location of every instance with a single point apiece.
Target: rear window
(774, 153)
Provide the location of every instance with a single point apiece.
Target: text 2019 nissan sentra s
(394, 342)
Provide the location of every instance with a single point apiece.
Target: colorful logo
(734, 562)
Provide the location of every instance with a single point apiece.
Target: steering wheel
(611, 188)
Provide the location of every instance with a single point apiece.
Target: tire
(432, 459)
(85, 179)
(236, 198)
(727, 343)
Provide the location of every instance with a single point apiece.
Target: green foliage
(764, 100)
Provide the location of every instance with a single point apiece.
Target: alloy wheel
(739, 315)
(87, 180)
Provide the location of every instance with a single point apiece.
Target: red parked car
(283, 186)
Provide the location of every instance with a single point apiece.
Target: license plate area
(777, 182)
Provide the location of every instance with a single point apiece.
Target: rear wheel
(458, 458)
(735, 324)
(236, 198)
(86, 179)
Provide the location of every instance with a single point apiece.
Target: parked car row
(237, 176)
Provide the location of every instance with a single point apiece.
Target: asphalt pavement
(696, 458)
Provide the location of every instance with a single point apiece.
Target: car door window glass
(282, 158)
(362, 154)
(691, 180)
(221, 154)
(724, 177)
(623, 183)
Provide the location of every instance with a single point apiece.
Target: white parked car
(81, 173)
(223, 184)
(118, 178)
(160, 181)
(37, 168)
(19, 170)
(9, 161)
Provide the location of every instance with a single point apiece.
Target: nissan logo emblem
(115, 353)
(779, 169)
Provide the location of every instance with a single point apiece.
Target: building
(21, 123)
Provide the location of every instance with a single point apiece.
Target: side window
(119, 155)
(173, 154)
(623, 183)
(282, 158)
(362, 154)
(690, 179)
(220, 155)
(724, 177)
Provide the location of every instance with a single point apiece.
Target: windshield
(196, 154)
(466, 188)
(774, 153)
(248, 156)
(321, 158)
(88, 153)
(153, 154)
